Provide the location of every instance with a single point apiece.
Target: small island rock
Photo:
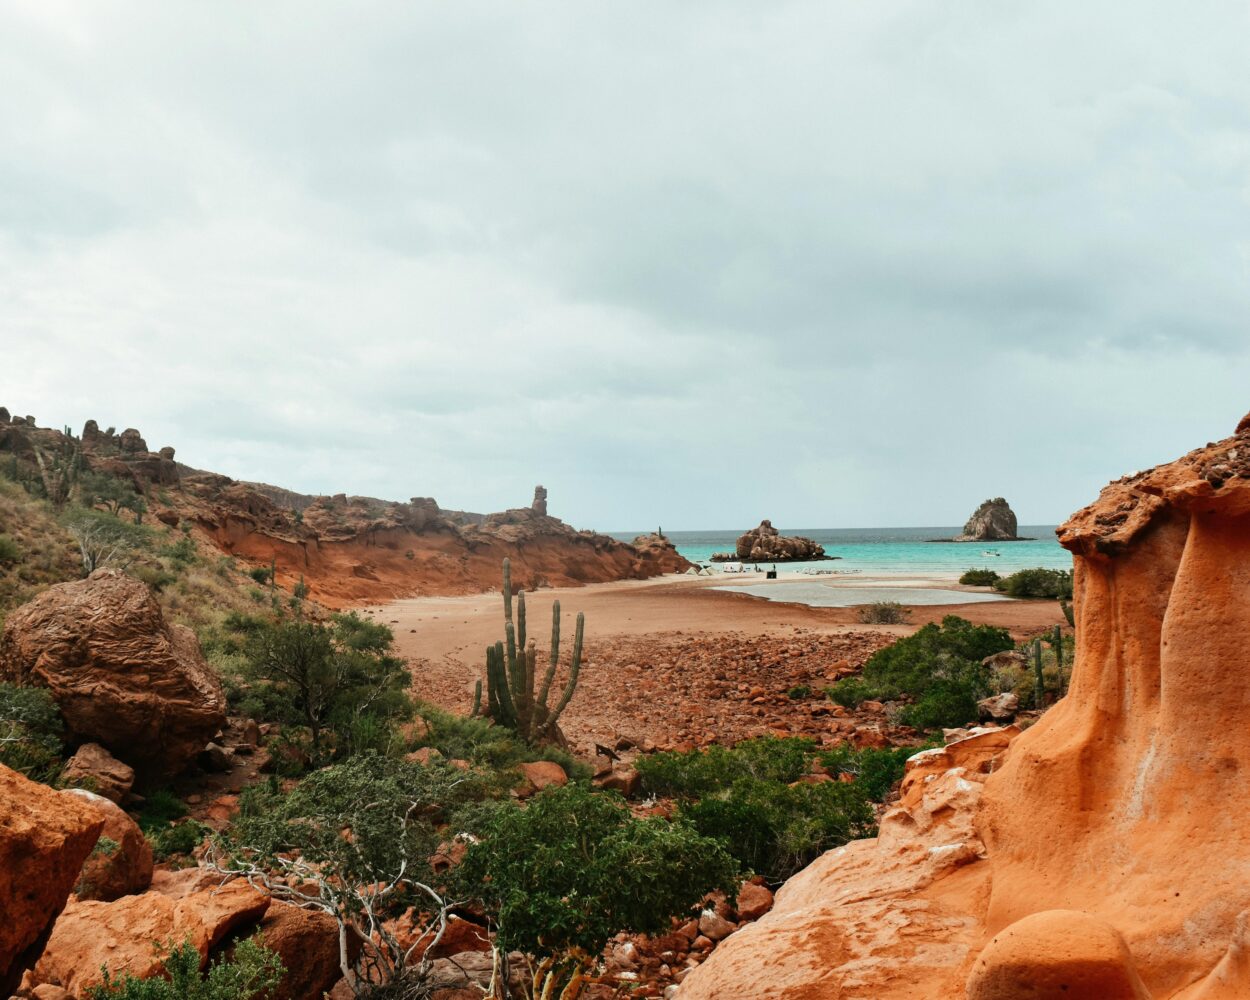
(767, 544)
(993, 521)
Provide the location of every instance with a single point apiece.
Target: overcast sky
(689, 263)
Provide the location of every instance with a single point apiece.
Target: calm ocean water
(893, 550)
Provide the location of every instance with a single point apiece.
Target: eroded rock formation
(767, 544)
(44, 838)
(1106, 855)
(120, 674)
(993, 521)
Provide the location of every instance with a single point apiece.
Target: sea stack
(993, 521)
(767, 544)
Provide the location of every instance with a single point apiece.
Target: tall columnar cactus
(1040, 680)
(512, 672)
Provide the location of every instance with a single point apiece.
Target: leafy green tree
(573, 867)
(329, 676)
(104, 540)
(249, 975)
(99, 488)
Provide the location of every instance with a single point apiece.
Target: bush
(876, 771)
(979, 578)
(480, 742)
(799, 691)
(251, 973)
(1048, 583)
(30, 732)
(9, 551)
(260, 574)
(565, 873)
(743, 797)
(943, 661)
(181, 553)
(883, 613)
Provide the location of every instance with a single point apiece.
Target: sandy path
(444, 638)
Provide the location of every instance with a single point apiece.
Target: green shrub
(156, 577)
(252, 972)
(480, 742)
(10, 552)
(799, 691)
(179, 839)
(979, 578)
(260, 574)
(181, 553)
(696, 773)
(574, 867)
(1039, 582)
(160, 808)
(30, 732)
(945, 660)
(876, 771)
(883, 613)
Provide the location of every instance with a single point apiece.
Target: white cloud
(698, 263)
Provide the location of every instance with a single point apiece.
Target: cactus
(1068, 613)
(512, 669)
(1040, 683)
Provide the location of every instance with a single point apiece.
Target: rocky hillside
(1098, 854)
(346, 549)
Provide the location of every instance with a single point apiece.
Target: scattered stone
(999, 707)
(95, 769)
(540, 774)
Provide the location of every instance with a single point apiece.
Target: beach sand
(647, 623)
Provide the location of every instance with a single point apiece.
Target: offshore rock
(993, 521)
(120, 674)
(767, 544)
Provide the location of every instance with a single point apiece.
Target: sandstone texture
(307, 942)
(119, 935)
(121, 861)
(97, 770)
(121, 676)
(993, 521)
(1104, 856)
(44, 838)
(767, 544)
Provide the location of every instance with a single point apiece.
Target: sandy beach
(665, 627)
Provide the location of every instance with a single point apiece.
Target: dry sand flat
(648, 622)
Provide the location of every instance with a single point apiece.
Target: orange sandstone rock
(121, 861)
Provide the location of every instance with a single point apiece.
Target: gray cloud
(696, 263)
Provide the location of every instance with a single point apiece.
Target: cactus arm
(507, 591)
(550, 676)
(574, 670)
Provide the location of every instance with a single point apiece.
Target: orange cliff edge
(1099, 855)
(347, 550)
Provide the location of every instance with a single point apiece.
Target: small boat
(991, 552)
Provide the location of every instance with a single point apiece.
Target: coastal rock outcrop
(120, 674)
(44, 838)
(993, 521)
(767, 544)
(1105, 854)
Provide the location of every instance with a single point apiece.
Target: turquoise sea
(902, 551)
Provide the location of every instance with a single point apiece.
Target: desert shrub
(574, 867)
(1039, 582)
(261, 574)
(156, 577)
(940, 663)
(10, 551)
(160, 808)
(883, 613)
(696, 773)
(979, 578)
(326, 677)
(181, 553)
(876, 771)
(799, 691)
(30, 732)
(355, 841)
(105, 539)
(749, 798)
(250, 973)
(178, 839)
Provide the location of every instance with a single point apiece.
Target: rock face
(539, 506)
(44, 838)
(993, 521)
(97, 770)
(1120, 804)
(767, 544)
(121, 861)
(121, 676)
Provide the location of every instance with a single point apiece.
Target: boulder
(307, 941)
(121, 861)
(767, 544)
(999, 707)
(91, 935)
(120, 674)
(95, 769)
(1057, 955)
(540, 774)
(754, 900)
(44, 838)
(539, 506)
(993, 521)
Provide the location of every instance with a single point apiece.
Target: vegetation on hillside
(250, 974)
